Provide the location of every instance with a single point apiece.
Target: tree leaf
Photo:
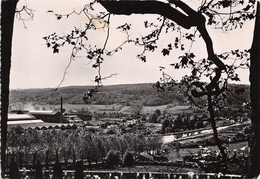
(170, 46)
(182, 47)
(165, 52)
(59, 17)
(246, 8)
(184, 61)
(55, 50)
(191, 55)
(190, 37)
(82, 34)
(95, 65)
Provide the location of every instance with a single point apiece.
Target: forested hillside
(125, 94)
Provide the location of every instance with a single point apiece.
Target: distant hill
(124, 94)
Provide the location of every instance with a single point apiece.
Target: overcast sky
(35, 66)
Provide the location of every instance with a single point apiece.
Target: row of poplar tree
(68, 146)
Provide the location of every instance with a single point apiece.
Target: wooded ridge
(143, 93)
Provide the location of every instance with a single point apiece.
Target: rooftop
(45, 125)
(43, 112)
(36, 121)
(13, 117)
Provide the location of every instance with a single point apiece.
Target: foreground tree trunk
(7, 20)
(214, 128)
(253, 165)
(47, 159)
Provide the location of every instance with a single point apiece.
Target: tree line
(69, 146)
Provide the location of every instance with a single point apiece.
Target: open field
(178, 156)
(129, 109)
(112, 108)
(91, 108)
(169, 108)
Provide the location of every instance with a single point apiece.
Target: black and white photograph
(130, 89)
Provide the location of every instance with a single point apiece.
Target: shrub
(246, 130)
(168, 129)
(113, 158)
(239, 137)
(188, 158)
(128, 159)
(210, 162)
(190, 144)
(179, 130)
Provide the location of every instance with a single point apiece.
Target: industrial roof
(43, 112)
(13, 117)
(29, 121)
(41, 126)
(36, 121)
